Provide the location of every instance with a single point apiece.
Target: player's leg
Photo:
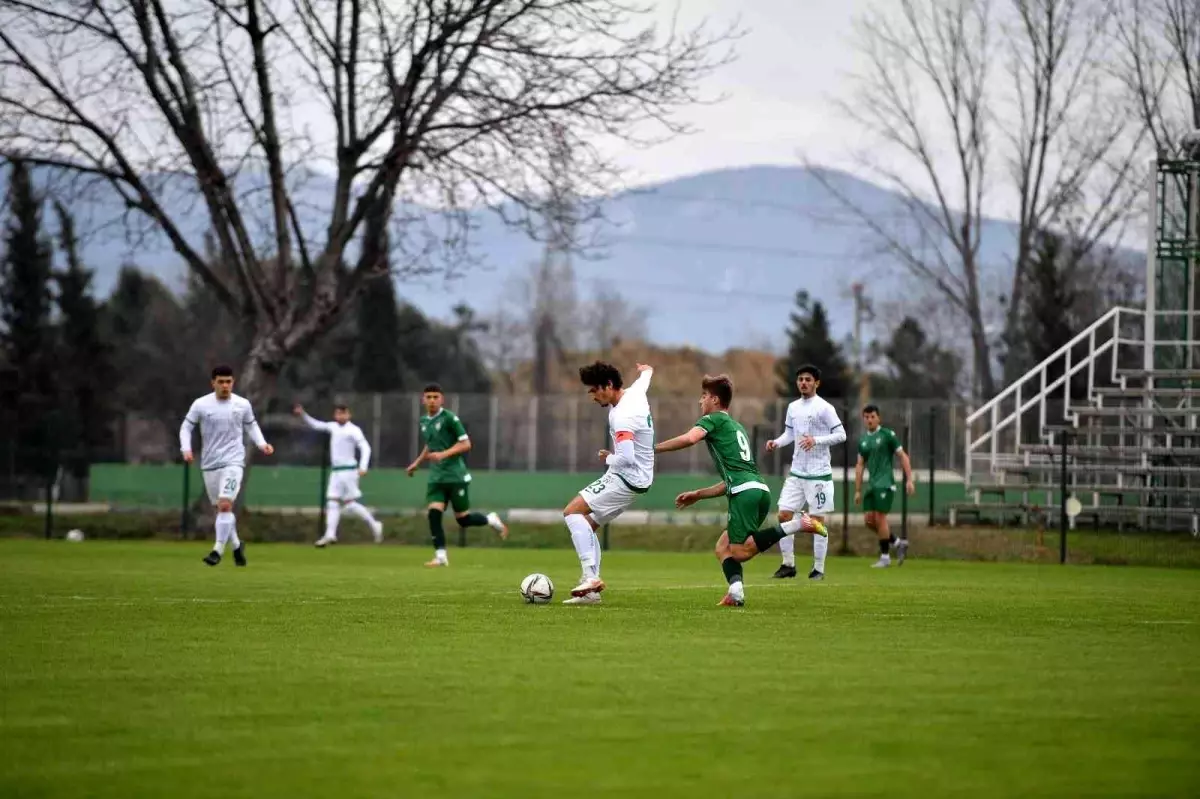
(333, 511)
(461, 500)
(820, 498)
(599, 503)
(227, 485)
(881, 505)
(791, 500)
(212, 486)
(739, 542)
(350, 496)
(731, 567)
(436, 495)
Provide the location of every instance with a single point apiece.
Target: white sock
(440, 556)
(581, 536)
(596, 551)
(886, 558)
(224, 525)
(787, 546)
(234, 541)
(820, 548)
(333, 514)
(359, 510)
(737, 590)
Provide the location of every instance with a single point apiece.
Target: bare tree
(1041, 132)
(236, 105)
(1160, 42)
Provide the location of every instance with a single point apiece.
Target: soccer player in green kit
(749, 497)
(875, 452)
(446, 444)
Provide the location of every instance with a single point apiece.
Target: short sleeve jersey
(441, 432)
(223, 425)
(876, 449)
(731, 452)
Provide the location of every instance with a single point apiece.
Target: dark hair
(600, 375)
(341, 407)
(720, 387)
(222, 371)
(432, 388)
(808, 369)
(872, 408)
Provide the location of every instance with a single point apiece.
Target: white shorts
(609, 497)
(800, 491)
(343, 485)
(223, 483)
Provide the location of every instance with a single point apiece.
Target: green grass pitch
(130, 669)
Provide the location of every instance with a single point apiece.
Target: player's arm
(642, 384)
(858, 478)
(412, 467)
(623, 451)
(256, 433)
(691, 497)
(315, 424)
(688, 439)
(787, 437)
(364, 452)
(185, 433)
(906, 465)
(837, 431)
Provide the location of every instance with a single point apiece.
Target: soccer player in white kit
(224, 419)
(630, 469)
(813, 426)
(349, 457)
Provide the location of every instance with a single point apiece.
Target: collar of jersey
(436, 415)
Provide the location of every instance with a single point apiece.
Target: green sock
(472, 520)
(768, 537)
(435, 529)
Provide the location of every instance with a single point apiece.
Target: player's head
(808, 380)
(433, 398)
(871, 418)
(603, 381)
(341, 413)
(716, 393)
(222, 381)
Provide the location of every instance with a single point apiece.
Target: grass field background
(130, 669)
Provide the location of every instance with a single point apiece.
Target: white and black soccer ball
(75, 536)
(537, 589)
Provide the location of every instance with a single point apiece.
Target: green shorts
(747, 512)
(456, 495)
(879, 499)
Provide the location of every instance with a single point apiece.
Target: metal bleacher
(1113, 417)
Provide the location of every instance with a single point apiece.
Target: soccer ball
(75, 536)
(536, 589)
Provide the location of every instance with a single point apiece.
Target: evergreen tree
(809, 341)
(83, 357)
(916, 367)
(26, 337)
(376, 354)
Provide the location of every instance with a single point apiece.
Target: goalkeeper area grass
(131, 669)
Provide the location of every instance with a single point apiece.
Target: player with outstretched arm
(349, 457)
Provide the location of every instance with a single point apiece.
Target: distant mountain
(717, 256)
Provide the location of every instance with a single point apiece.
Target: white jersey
(348, 447)
(223, 425)
(812, 417)
(631, 414)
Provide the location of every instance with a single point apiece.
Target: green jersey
(876, 449)
(730, 449)
(441, 432)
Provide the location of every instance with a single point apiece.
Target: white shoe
(901, 550)
(496, 523)
(882, 563)
(591, 585)
(587, 599)
(325, 541)
(377, 531)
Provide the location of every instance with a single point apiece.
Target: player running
(630, 469)
(349, 457)
(224, 419)
(813, 425)
(875, 451)
(446, 446)
(749, 497)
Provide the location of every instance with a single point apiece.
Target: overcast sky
(792, 60)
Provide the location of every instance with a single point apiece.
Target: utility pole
(862, 312)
